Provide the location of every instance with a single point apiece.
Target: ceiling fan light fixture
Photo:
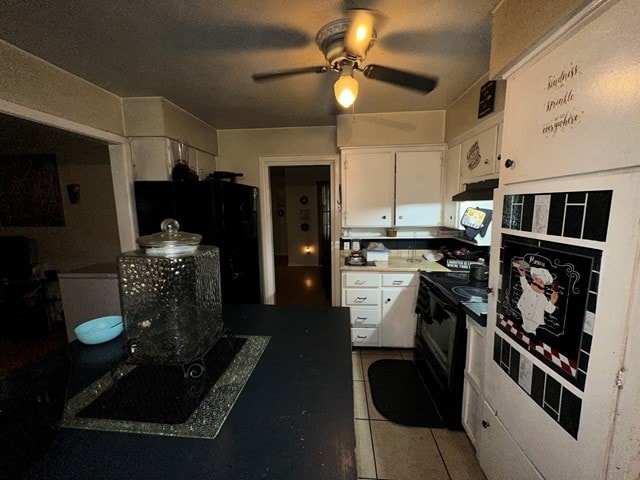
(346, 90)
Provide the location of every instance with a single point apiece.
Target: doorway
(301, 224)
(299, 230)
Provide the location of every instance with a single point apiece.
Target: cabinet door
(152, 158)
(398, 317)
(499, 455)
(479, 155)
(367, 189)
(418, 188)
(451, 186)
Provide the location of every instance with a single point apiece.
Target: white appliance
(562, 360)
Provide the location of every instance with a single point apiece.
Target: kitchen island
(293, 419)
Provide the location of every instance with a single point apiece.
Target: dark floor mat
(161, 393)
(399, 394)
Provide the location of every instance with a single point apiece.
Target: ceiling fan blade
(414, 81)
(263, 77)
(361, 32)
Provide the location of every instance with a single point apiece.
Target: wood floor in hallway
(300, 285)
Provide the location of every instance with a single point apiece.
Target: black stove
(456, 287)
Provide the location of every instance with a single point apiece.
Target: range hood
(477, 191)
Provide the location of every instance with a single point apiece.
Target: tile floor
(386, 450)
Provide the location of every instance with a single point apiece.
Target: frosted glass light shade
(346, 90)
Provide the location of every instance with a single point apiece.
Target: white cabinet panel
(360, 280)
(499, 455)
(418, 188)
(479, 155)
(451, 186)
(367, 189)
(361, 296)
(365, 337)
(398, 317)
(152, 158)
(362, 317)
(399, 279)
(473, 379)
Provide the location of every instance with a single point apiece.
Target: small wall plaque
(487, 98)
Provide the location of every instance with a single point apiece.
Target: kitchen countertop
(397, 263)
(477, 311)
(293, 419)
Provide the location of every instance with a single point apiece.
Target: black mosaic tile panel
(572, 215)
(558, 402)
(573, 220)
(598, 208)
(527, 213)
(537, 385)
(570, 410)
(514, 367)
(505, 355)
(497, 348)
(556, 214)
(552, 393)
(576, 197)
(595, 281)
(583, 361)
(586, 342)
(591, 302)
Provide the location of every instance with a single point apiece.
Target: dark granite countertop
(477, 311)
(293, 419)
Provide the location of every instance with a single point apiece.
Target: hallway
(300, 285)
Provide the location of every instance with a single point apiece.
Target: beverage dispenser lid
(170, 241)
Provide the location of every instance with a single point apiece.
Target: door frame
(120, 160)
(268, 283)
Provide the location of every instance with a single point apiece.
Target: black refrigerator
(223, 212)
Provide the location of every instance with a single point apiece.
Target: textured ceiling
(200, 54)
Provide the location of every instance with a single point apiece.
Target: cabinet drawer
(399, 279)
(361, 296)
(361, 280)
(361, 317)
(365, 337)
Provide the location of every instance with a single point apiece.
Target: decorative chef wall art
(547, 300)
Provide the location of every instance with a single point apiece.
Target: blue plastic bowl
(99, 330)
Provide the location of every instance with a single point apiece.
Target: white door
(559, 408)
(419, 188)
(398, 317)
(367, 189)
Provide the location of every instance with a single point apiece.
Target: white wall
(90, 233)
(240, 150)
(31, 82)
(402, 128)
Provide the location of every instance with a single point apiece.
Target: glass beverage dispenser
(170, 297)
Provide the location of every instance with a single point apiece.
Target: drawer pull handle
(360, 299)
(485, 424)
(397, 282)
(361, 319)
(361, 337)
(360, 282)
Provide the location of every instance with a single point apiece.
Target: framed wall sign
(487, 98)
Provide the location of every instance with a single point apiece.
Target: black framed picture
(30, 191)
(547, 301)
(487, 98)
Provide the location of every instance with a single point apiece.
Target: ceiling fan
(345, 44)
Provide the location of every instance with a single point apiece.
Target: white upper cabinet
(418, 188)
(480, 156)
(385, 187)
(451, 186)
(367, 188)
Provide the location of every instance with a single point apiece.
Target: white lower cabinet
(473, 375)
(498, 454)
(381, 308)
